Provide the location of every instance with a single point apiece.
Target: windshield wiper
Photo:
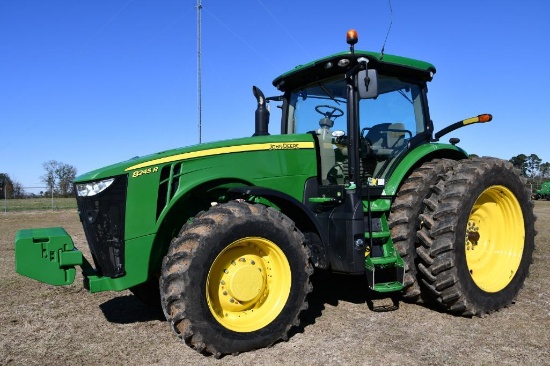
(327, 92)
(405, 96)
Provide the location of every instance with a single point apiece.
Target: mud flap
(47, 255)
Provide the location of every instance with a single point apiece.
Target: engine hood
(279, 142)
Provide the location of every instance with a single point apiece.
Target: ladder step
(377, 261)
(385, 274)
(378, 234)
(388, 287)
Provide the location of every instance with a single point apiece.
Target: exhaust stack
(262, 113)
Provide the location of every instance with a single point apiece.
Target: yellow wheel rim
(248, 284)
(495, 236)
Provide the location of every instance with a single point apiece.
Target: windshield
(399, 103)
(303, 115)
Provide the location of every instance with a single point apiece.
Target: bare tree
(49, 177)
(18, 191)
(65, 174)
(59, 177)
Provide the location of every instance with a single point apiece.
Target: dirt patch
(67, 325)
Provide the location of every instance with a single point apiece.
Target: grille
(102, 217)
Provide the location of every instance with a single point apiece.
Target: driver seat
(384, 141)
(396, 139)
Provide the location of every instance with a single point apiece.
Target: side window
(401, 109)
(387, 123)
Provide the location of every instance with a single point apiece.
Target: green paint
(47, 255)
(390, 64)
(418, 155)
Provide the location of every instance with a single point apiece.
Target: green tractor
(226, 235)
(543, 192)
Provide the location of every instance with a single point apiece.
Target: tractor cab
(359, 102)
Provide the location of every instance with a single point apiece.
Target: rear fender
(415, 158)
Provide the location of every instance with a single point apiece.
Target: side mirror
(368, 84)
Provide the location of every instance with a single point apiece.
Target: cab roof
(327, 67)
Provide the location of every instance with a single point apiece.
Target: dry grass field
(42, 324)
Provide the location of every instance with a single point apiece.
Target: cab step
(385, 272)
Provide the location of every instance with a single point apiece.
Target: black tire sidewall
(226, 340)
(423, 187)
(496, 175)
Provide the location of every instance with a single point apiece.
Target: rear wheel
(235, 279)
(404, 219)
(478, 237)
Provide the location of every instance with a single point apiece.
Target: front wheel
(235, 279)
(477, 238)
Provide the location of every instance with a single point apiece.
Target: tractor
(225, 236)
(543, 192)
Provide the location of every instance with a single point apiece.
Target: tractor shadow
(331, 288)
(129, 309)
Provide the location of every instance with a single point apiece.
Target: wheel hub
(248, 284)
(472, 235)
(245, 282)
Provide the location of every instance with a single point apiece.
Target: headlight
(92, 188)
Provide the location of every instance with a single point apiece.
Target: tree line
(532, 167)
(58, 179)
(59, 176)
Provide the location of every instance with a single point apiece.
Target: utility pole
(199, 69)
(5, 195)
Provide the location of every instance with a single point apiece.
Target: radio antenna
(199, 70)
(387, 34)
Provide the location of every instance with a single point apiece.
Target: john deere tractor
(225, 235)
(543, 192)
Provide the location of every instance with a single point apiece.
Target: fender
(302, 216)
(416, 157)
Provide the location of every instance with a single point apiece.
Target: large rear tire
(404, 220)
(235, 279)
(477, 237)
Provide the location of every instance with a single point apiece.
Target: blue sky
(90, 83)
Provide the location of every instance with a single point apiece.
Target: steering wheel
(333, 112)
